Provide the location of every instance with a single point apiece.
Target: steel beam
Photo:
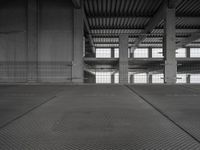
(157, 18)
(186, 19)
(134, 32)
(190, 39)
(88, 32)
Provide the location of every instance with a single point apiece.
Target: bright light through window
(157, 52)
(157, 78)
(103, 53)
(140, 78)
(195, 78)
(181, 53)
(181, 78)
(103, 77)
(141, 53)
(116, 52)
(194, 52)
(116, 77)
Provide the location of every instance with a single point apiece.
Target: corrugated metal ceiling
(113, 17)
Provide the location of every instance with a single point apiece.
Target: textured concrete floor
(99, 117)
(180, 103)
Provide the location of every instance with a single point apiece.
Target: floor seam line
(163, 114)
(25, 113)
(190, 88)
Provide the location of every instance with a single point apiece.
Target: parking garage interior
(99, 74)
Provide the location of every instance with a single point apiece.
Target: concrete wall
(54, 47)
(12, 39)
(56, 30)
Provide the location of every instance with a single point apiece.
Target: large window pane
(157, 52)
(116, 52)
(195, 78)
(181, 53)
(140, 78)
(157, 78)
(103, 77)
(141, 53)
(103, 53)
(181, 78)
(194, 52)
(116, 77)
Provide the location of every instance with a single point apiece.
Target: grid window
(194, 52)
(181, 53)
(157, 52)
(140, 78)
(195, 78)
(103, 53)
(116, 77)
(181, 78)
(141, 53)
(103, 77)
(158, 78)
(116, 52)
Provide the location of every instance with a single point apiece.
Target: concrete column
(150, 78)
(169, 47)
(113, 78)
(150, 52)
(188, 78)
(83, 46)
(131, 79)
(32, 40)
(131, 53)
(123, 59)
(77, 65)
(187, 52)
(112, 52)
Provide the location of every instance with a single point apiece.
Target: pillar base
(170, 72)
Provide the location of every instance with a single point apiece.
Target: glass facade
(141, 53)
(194, 52)
(158, 78)
(103, 53)
(157, 53)
(155, 77)
(181, 53)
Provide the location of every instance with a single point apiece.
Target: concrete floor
(99, 117)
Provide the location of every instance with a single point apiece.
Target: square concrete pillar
(188, 78)
(150, 52)
(77, 64)
(188, 52)
(32, 40)
(131, 79)
(123, 59)
(169, 47)
(113, 78)
(150, 78)
(132, 52)
(112, 52)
